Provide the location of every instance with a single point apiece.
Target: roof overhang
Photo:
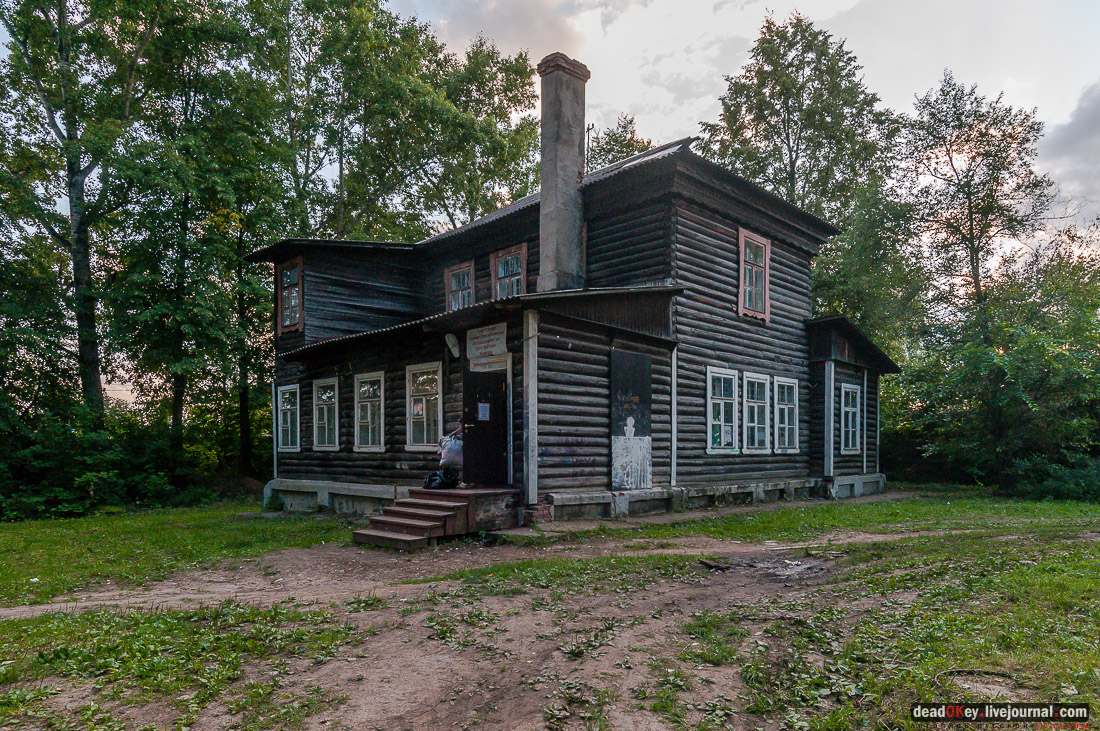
(842, 324)
(476, 314)
(287, 249)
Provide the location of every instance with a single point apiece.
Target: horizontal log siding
(391, 355)
(706, 262)
(852, 464)
(629, 247)
(817, 419)
(575, 407)
(480, 251)
(349, 292)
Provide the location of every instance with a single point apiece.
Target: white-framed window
(326, 422)
(370, 418)
(287, 400)
(424, 406)
(849, 419)
(754, 298)
(755, 414)
(786, 415)
(721, 410)
(509, 271)
(459, 283)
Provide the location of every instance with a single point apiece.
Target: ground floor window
(288, 418)
(369, 417)
(722, 410)
(424, 407)
(756, 413)
(786, 415)
(849, 419)
(324, 414)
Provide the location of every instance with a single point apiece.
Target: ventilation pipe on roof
(561, 212)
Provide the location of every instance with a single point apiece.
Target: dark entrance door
(485, 428)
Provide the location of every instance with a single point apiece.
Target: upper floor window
(849, 419)
(287, 401)
(424, 407)
(509, 270)
(722, 410)
(325, 421)
(754, 298)
(786, 415)
(756, 413)
(459, 282)
(288, 283)
(369, 416)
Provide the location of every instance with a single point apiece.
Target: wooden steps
(425, 516)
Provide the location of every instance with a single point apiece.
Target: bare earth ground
(505, 673)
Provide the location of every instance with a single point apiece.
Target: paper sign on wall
(482, 412)
(485, 342)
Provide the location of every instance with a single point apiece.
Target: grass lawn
(1008, 610)
(40, 559)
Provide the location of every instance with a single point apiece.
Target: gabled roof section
(857, 337)
(289, 248)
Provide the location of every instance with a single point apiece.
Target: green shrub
(1077, 479)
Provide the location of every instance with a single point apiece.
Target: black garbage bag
(442, 479)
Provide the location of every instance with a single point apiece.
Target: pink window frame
(742, 237)
(520, 249)
(447, 283)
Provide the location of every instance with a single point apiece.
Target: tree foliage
(799, 120)
(616, 143)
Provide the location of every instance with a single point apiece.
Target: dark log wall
(710, 332)
(817, 419)
(574, 436)
(347, 292)
(523, 231)
(629, 247)
(852, 464)
(390, 354)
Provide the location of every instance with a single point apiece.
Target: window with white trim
(459, 281)
(424, 405)
(755, 414)
(721, 410)
(753, 297)
(849, 419)
(325, 421)
(508, 271)
(786, 415)
(369, 416)
(287, 399)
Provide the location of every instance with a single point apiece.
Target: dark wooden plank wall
(525, 231)
(852, 464)
(706, 262)
(647, 313)
(391, 355)
(348, 292)
(816, 446)
(574, 439)
(629, 247)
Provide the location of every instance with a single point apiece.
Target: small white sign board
(486, 342)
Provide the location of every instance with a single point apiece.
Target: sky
(664, 61)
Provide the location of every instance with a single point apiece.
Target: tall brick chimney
(561, 214)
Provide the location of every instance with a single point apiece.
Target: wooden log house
(628, 340)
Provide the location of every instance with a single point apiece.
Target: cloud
(538, 26)
(1071, 150)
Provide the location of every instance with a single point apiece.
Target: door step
(404, 541)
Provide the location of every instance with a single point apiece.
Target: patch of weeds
(592, 640)
(186, 658)
(574, 699)
(445, 629)
(715, 638)
(577, 576)
(263, 707)
(369, 603)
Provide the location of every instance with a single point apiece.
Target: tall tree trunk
(85, 297)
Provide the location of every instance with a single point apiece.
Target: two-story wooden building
(632, 339)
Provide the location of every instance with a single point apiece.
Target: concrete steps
(428, 515)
